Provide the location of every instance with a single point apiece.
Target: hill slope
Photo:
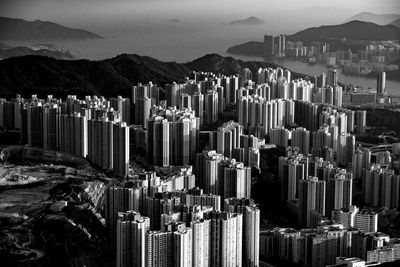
(225, 65)
(22, 30)
(381, 19)
(355, 30)
(396, 23)
(43, 75)
(4, 46)
(251, 48)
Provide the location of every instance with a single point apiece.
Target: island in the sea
(247, 21)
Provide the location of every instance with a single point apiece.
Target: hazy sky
(98, 14)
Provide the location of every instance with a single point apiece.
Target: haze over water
(146, 27)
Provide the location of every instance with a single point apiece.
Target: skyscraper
(35, 125)
(171, 92)
(158, 141)
(361, 161)
(157, 205)
(100, 143)
(74, 134)
(201, 242)
(381, 84)
(123, 106)
(131, 239)
(182, 247)
(361, 120)
(226, 238)
(159, 249)
(211, 107)
(12, 114)
(279, 136)
(291, 171)
(381, 187)
(51, 114)
(251, 228)
(2, 101)
(237, 180)
(321, 81)
(181, 142)
(345, 149)
(339, 191)
(281, 45)
(198, 106)
(332, 78)
(116, 200)
(142, 111)
(120, 149)
(269, 45)
(337, 95)
(208, 171)
(221, 100)
(171, 136)
(245, 75)
(311, 197)
(301, 139)
(228, 138)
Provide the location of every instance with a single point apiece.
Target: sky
(105, 16)
(80, 11)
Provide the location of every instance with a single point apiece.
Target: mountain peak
(248, 21)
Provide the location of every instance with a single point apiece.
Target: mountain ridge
(110, 77)
(38, 30)
(380, 19)
(354, 30)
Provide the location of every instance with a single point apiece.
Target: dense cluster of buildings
(93, 128)
(196, 208)
(329, 245)
(181, 227)
(376, 57)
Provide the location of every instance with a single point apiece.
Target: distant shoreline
(390, 75)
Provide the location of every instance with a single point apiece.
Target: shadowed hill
(228, 65)
(252, 49)
(43, 75)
